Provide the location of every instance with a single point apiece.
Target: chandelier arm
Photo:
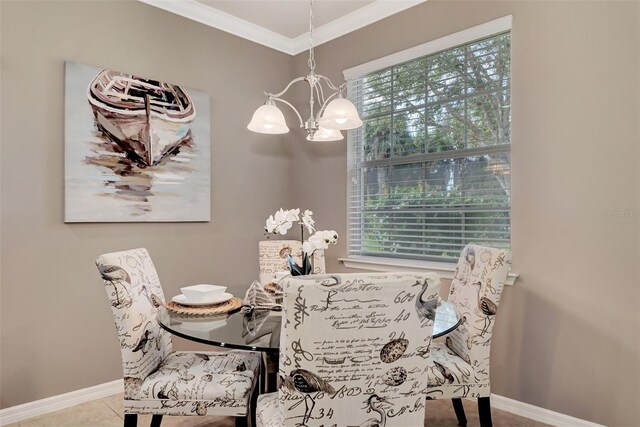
(320, 93)
(291, 106)
(324, 105)
(331, 85)
(292, 82)
(317, 98)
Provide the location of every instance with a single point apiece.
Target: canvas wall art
(136, 149)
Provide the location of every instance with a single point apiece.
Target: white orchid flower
(308, 222)
(280, 216)
(293, 215)
(283, 227)
(308, 248)
(327, 236)
(271, 224)
(280, 223)
(318, 241)
(322, 239)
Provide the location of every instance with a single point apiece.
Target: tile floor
(107, 412)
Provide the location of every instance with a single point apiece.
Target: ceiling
(289, 18)
(284, 24)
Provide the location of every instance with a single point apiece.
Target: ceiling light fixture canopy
(336, 112)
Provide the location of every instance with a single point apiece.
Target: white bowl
(202, 293)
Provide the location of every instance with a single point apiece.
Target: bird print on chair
(307, 383)
(460, 366)
(113, 273)
(446, 373)
(142, 342)
(361, 342)
(375, 404)
(426, 309)
(470, 257)
(153, 299)
(114, 276)
(158, 380)
(487, 307)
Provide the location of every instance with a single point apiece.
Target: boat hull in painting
(148, 143)
(148, 119)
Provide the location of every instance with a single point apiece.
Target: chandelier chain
(312, 60)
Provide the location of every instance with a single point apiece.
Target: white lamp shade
(268, 119)
(340, 114)
(323, 134)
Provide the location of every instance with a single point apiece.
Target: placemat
(272, 288)
(206, 310)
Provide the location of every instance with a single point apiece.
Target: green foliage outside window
(434, 161)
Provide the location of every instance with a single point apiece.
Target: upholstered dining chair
(273, 257)
(157, 380)
(352, 351)
(460, 365)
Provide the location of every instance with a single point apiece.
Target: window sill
(444, 269)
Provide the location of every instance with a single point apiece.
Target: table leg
(263, 374)
(269, 379)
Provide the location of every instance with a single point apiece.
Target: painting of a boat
(135, 149)
(147, 118)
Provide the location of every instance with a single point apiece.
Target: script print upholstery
(460, 366)
(354, 348)
(157, 380)
(272, 258)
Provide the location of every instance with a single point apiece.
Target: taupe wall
(57, 330)
(567, 336)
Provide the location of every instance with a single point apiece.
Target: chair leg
(156, 420)
(253, 407)
(457, 406)
(242, 422)
(484, 411)
(130, 420)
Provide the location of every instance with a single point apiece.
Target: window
(429, 171)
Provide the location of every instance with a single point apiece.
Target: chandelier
(335, 112)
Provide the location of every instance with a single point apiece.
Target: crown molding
(352, 21)
(226, 22)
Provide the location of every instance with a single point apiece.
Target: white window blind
(429, 171)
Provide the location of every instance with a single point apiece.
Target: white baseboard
(18, 413)
(538, 414)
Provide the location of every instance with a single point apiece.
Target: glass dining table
(260, 331)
